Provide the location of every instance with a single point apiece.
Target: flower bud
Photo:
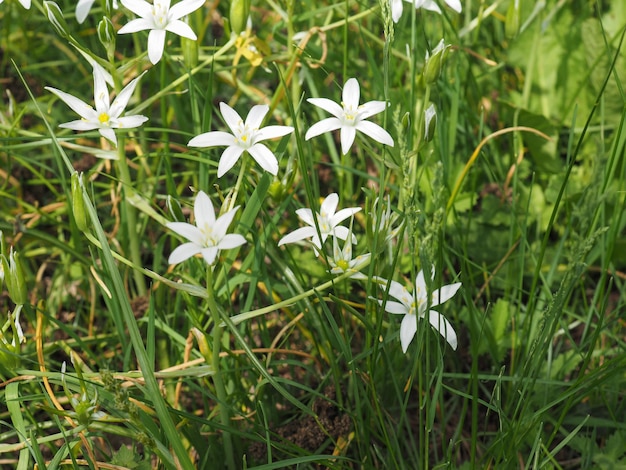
(430, 123)
(239, 12)
(14, 276)
(55, 15)
(78, 203)
(190, 51)
(106, 34)
(512, 22)
(434, 63)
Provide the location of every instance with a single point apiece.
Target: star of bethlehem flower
(327, 220)
(245, 136)
(25, 3)
(84, 6)
(396, 6)
(159, 18)
(107, 116)
(349, 117)
(414, 306)
(342, 262)
(208, 236)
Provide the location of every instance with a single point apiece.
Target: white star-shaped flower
(342, 261)
(244, 136)
(25, 3)
(396, 6)
(107, 115)
(327, 220)
(84, 6)
(416, 305)
(208, 236)
(350, 117)
(159, 18)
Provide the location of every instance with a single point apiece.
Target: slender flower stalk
(327, 221)
(416, 305)
(208, 236)
(244, 136)
(107, 116)
(350, 117)
(159, 18)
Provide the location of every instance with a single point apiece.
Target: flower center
(245, 135)
(160, 15)
(104, 119)
(343, 265)
(349, 114)
(209, 237)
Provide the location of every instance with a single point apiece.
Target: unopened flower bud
(434, 63)
(78, 203)
(55, 15)
(239, 12)
(512, 22)
(14, 276)
(106, 34)
(430, 122)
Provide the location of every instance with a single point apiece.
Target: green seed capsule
(239, 12)
(78, 203)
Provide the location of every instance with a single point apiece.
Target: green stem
(131, 217)
(220, 390)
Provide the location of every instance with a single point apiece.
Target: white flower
(25, 3)
(159, 18)
(429, 115)
(342, 261)
(244, 136)
(327, 220)
(208, 236)
(83, 7)
(396, 6)
(350, 117)
(416, 305)
(106, 116)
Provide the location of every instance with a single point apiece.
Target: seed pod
(239, 12)
(512, 22)
(78, 203)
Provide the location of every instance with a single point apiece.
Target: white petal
(343, 214)
(183, 252)
(371, 108)
(136, 25)
(329, 206)
(213, 139)
(100, 90)
(228, 159)
(408, 328)
(306, 215)
(325, 125)
(348, 133)
(156, 44)
(223, 222)
(375, 132)
(298, 235)
(455, 5)
(272, 132)
(78, 106)
(203, 212)
(394, 307)
(232, 240)
(188, 231)
(398, 291)
(130, 122)
(82, 9)
(265, 158)
(182, 29)
(444, 293)
(108, 134)
(209, 254)
(443, 326)
(231, 117)
(81, 125)
(121, 100)
(256, 115)
(138, 7)
(184, 8)
(342, 233)
(327, 105)
(351, 93)
(396, 10)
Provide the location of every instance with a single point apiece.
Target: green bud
(276, 190)
(78, 203)
(55, 15)
(14, 276)
(512, 23)
(190, 51)
(203, 345)
(434, 63)
(406, 120)
(239, 12)
(106, 34)
(430, 123)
